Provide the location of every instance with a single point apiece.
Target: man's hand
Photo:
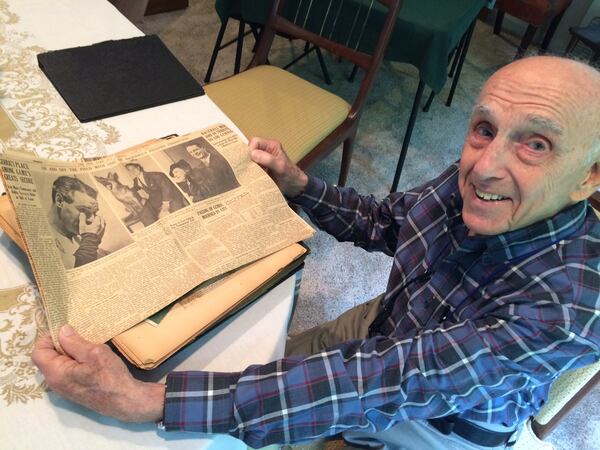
(96, 226)
(269, 154)
(93, 376)
(164, 210)
(143, 194)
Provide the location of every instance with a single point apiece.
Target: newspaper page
(114, 240)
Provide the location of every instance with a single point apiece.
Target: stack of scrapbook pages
(189, 222)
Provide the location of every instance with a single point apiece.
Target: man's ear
(59, 200)
(589, 185)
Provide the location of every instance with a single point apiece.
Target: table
(426, 34)
(38, 120)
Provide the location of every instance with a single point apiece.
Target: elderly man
(74, 216)
(493, 293)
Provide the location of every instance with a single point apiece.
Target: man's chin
(484, 227)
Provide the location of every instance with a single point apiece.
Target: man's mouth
(489, 196)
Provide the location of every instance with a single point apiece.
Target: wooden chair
(227, 10)
(595, 201)
(589, 35)
(134, 10)
(258, 10)
(535, 13)
(564, 394)
(310, 122)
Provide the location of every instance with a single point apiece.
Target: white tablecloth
(30, 417)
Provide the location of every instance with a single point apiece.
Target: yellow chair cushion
(270, 102)
(564, 389)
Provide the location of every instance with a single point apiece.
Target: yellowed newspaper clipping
(114, 240)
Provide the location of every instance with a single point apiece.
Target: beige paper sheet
(219, 214)
(147, 346)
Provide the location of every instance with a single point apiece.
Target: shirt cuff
(199, 401)
(312, 195)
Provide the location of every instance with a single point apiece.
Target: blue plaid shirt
(479, 326)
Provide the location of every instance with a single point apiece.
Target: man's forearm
(88, 249)
(297, 183)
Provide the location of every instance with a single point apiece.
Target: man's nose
(493, 159)
(89, 218)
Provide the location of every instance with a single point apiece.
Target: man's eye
(538, 146)
(484, 131)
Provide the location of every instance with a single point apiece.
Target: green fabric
(227, 8)
(425, 33)
(253, 11)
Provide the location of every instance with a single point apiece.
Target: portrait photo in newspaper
(143, 193)
(200, 170)
(84, 226)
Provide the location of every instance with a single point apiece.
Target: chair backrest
(534, 12)
(338, 26)
(568, 390)
(595, 201)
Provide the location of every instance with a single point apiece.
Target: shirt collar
(526, 241)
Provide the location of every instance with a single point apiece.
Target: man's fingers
(44, 351)
(74, 345)
(45, 355)
(263, 158)
(272, 146)
(258, 143)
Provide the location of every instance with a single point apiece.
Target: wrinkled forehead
(554, 102)
(527, 94)
(566, 89)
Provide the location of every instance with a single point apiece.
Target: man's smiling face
(525, 153)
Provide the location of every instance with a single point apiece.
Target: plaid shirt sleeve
(369, 223)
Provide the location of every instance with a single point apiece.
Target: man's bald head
(533, 144)
(566, 81)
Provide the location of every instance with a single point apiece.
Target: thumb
(263, 158)
(73, 344)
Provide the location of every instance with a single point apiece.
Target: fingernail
(67, 330)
